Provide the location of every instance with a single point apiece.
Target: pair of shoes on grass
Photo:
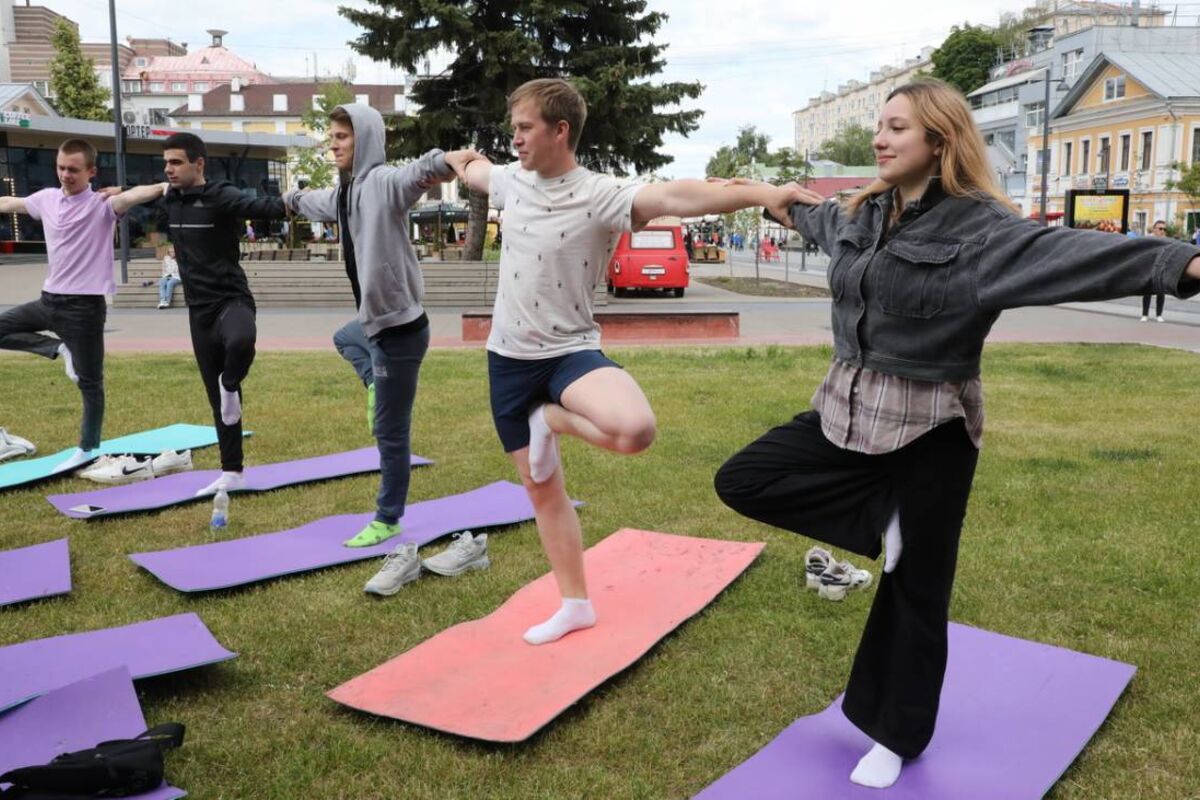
(116, 470)
(403, 565)
(832, 579)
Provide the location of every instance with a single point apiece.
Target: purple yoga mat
(319, 544)
(1014, 715)
(75, 717)
(153, 647)
(41, 570)
(182, 487)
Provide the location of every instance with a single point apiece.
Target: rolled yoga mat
(1014, 714)
(153, 442)
(77, 716)
(173, 490)
(29, 573)
(153, 647)
(481, 679)
(220, 565)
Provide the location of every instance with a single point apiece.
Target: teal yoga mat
(180, 436)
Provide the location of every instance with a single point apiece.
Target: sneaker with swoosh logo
(115, 470)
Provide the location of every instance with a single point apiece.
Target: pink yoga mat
(181, 488)
(28, 573)
(236, 562)
(1014, 715)
(153, 647)
(480, 679)
(75, 717)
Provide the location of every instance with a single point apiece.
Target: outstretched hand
(458, 160)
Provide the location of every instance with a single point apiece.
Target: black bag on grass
(118, 768)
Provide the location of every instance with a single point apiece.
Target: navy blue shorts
(518, 385)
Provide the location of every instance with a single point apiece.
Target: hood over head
(369, 149)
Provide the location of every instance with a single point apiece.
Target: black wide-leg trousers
(796, 479)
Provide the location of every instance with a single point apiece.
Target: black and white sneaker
(816, 561)
(842, 578)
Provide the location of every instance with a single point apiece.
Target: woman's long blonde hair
(964, 170)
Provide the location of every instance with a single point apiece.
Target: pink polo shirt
(79, 240)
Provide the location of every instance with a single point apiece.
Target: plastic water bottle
(220, 515)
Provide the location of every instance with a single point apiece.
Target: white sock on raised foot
(575, 614)
(231, 404)
(229, 481)
(878, 769)
(892, 545)
(68, 364)
(543, 446)
(77, 459)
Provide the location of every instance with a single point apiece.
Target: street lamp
(1045, 154)
(118, 134)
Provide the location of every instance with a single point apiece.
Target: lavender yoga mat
(181, 488)
(1014, 715)
(319, 544)
(41, 570)
(153, 647)
(75, 717)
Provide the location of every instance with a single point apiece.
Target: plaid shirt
(873, 412)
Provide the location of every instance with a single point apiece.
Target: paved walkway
(763, 320)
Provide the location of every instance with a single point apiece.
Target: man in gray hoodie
(370, 205)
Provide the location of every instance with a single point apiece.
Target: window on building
(1147, 148)
(1066, 162)
(1125, 152)
(200, 86)
(1071, 63)
(178, 86)
(1085, 166)
(157, 86)
(1103, 155)
(1035, 114)
(140, 62)
(1114, 88)
(131, 87)
(1008, 139)
(1195, 145)
(316, 102)
(279, 102)
(237, 102)
(362, 98)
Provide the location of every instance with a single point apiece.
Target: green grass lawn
(1082, 532)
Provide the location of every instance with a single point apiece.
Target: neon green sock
(371, 409)
(373, 534)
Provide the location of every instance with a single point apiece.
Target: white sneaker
(163, 304)
(1144, 318)
(171, 461)
(842, 578)
(117, 470)
(816, 561)
(11, 445)
(1159, 318)
(400, 567)
(229, 481)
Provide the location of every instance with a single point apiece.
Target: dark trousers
(223, 340)
(1159, 302)
(796, 479)
(78, 322)
(396, 357)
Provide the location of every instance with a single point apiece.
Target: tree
(852, 147)
(313, 162)
(732, 160)
(1188, 182)
(73, 82)
(966, 57)
(602, 46)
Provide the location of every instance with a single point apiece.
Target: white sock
(68, 364)
(878, 769)
(229, 481)
(575, 614)
(76, 459)
(891, 543)
(543, 447)
(231, 405)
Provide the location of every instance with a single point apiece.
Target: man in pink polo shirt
(78, 224)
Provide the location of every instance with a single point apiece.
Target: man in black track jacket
(205, 220)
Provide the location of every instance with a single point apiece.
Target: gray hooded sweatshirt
(380, 196)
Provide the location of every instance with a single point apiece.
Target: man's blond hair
(557, 101)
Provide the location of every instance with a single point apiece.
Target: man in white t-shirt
(546, 371)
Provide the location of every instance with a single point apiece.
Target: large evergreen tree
(603, 46)
(73, 82)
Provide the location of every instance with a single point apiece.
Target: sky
(759, 61)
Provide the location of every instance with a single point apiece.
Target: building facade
(275, 108)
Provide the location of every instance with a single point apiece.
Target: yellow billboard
(1100, 210)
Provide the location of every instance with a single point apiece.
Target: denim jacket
(920, 303)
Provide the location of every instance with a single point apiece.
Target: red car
(652, 258)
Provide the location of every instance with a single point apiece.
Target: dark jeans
(1160, 301)
(353, 345)
(397, 357)
(223, 339)
(78, 322)
(794, 478)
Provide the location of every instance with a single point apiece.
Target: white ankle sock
(229, 481)
(878, 769)
(77, 459)
(575, 614)
(543, 447)
(68, 364)
(231, 404)
(892, 544)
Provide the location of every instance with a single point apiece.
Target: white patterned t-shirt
(558, 237)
